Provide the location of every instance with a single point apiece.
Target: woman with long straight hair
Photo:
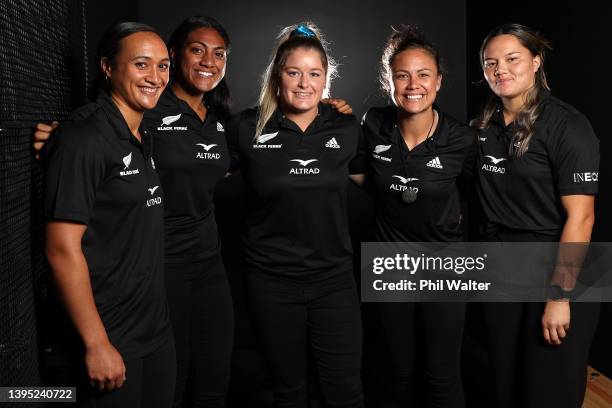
(544, 147)
(188, 127)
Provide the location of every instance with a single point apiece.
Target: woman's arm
(580, 210)
(105, 366)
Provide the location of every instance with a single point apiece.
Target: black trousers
(529, 373)
(202, 316)
(294, 319)
(526, 371)
(427, 335)
(149, 382)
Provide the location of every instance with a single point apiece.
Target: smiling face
(302, 81)
(509, 67)
(416, 80)
(201, 59)
(139, 72)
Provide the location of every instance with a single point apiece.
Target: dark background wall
(577, 72)
(42, 77)
(357, 31)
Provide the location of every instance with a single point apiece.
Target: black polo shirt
(296, 192)
(99, 175)
(435, 170)
(191, 157)
(562, 159)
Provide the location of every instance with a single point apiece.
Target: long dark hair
(526, 118)
(219, 98)
(110, 46)
(403, 37)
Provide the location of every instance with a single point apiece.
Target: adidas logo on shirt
(220, 127)
(435, 163)
(332, 144)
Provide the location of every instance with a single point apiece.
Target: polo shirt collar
(438, 138)
(326, 113)
(115, 117)
(169, 101)
(498, 115)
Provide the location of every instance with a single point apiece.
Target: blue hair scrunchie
(303, 31)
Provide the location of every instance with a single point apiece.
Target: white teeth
(205, 74)
(302, 94)
(414, 97)
(149, 90)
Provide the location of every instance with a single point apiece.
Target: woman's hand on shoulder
(42, 133)
(340, 105)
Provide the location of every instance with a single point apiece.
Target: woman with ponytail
(419, 166)
(104, 236)
(294, 153)
(537, 179)
(191, 156)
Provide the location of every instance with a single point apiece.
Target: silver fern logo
(263, 138)
(261, 141)
(170, 119)
(381, 148)
(127, 160)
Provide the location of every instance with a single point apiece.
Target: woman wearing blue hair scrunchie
(296, 154)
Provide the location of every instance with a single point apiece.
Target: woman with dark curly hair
(419, 164)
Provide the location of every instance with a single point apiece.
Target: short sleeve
(233, 137)
(74, 170)
(359, 163)
(575, 157)
(465, 181)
